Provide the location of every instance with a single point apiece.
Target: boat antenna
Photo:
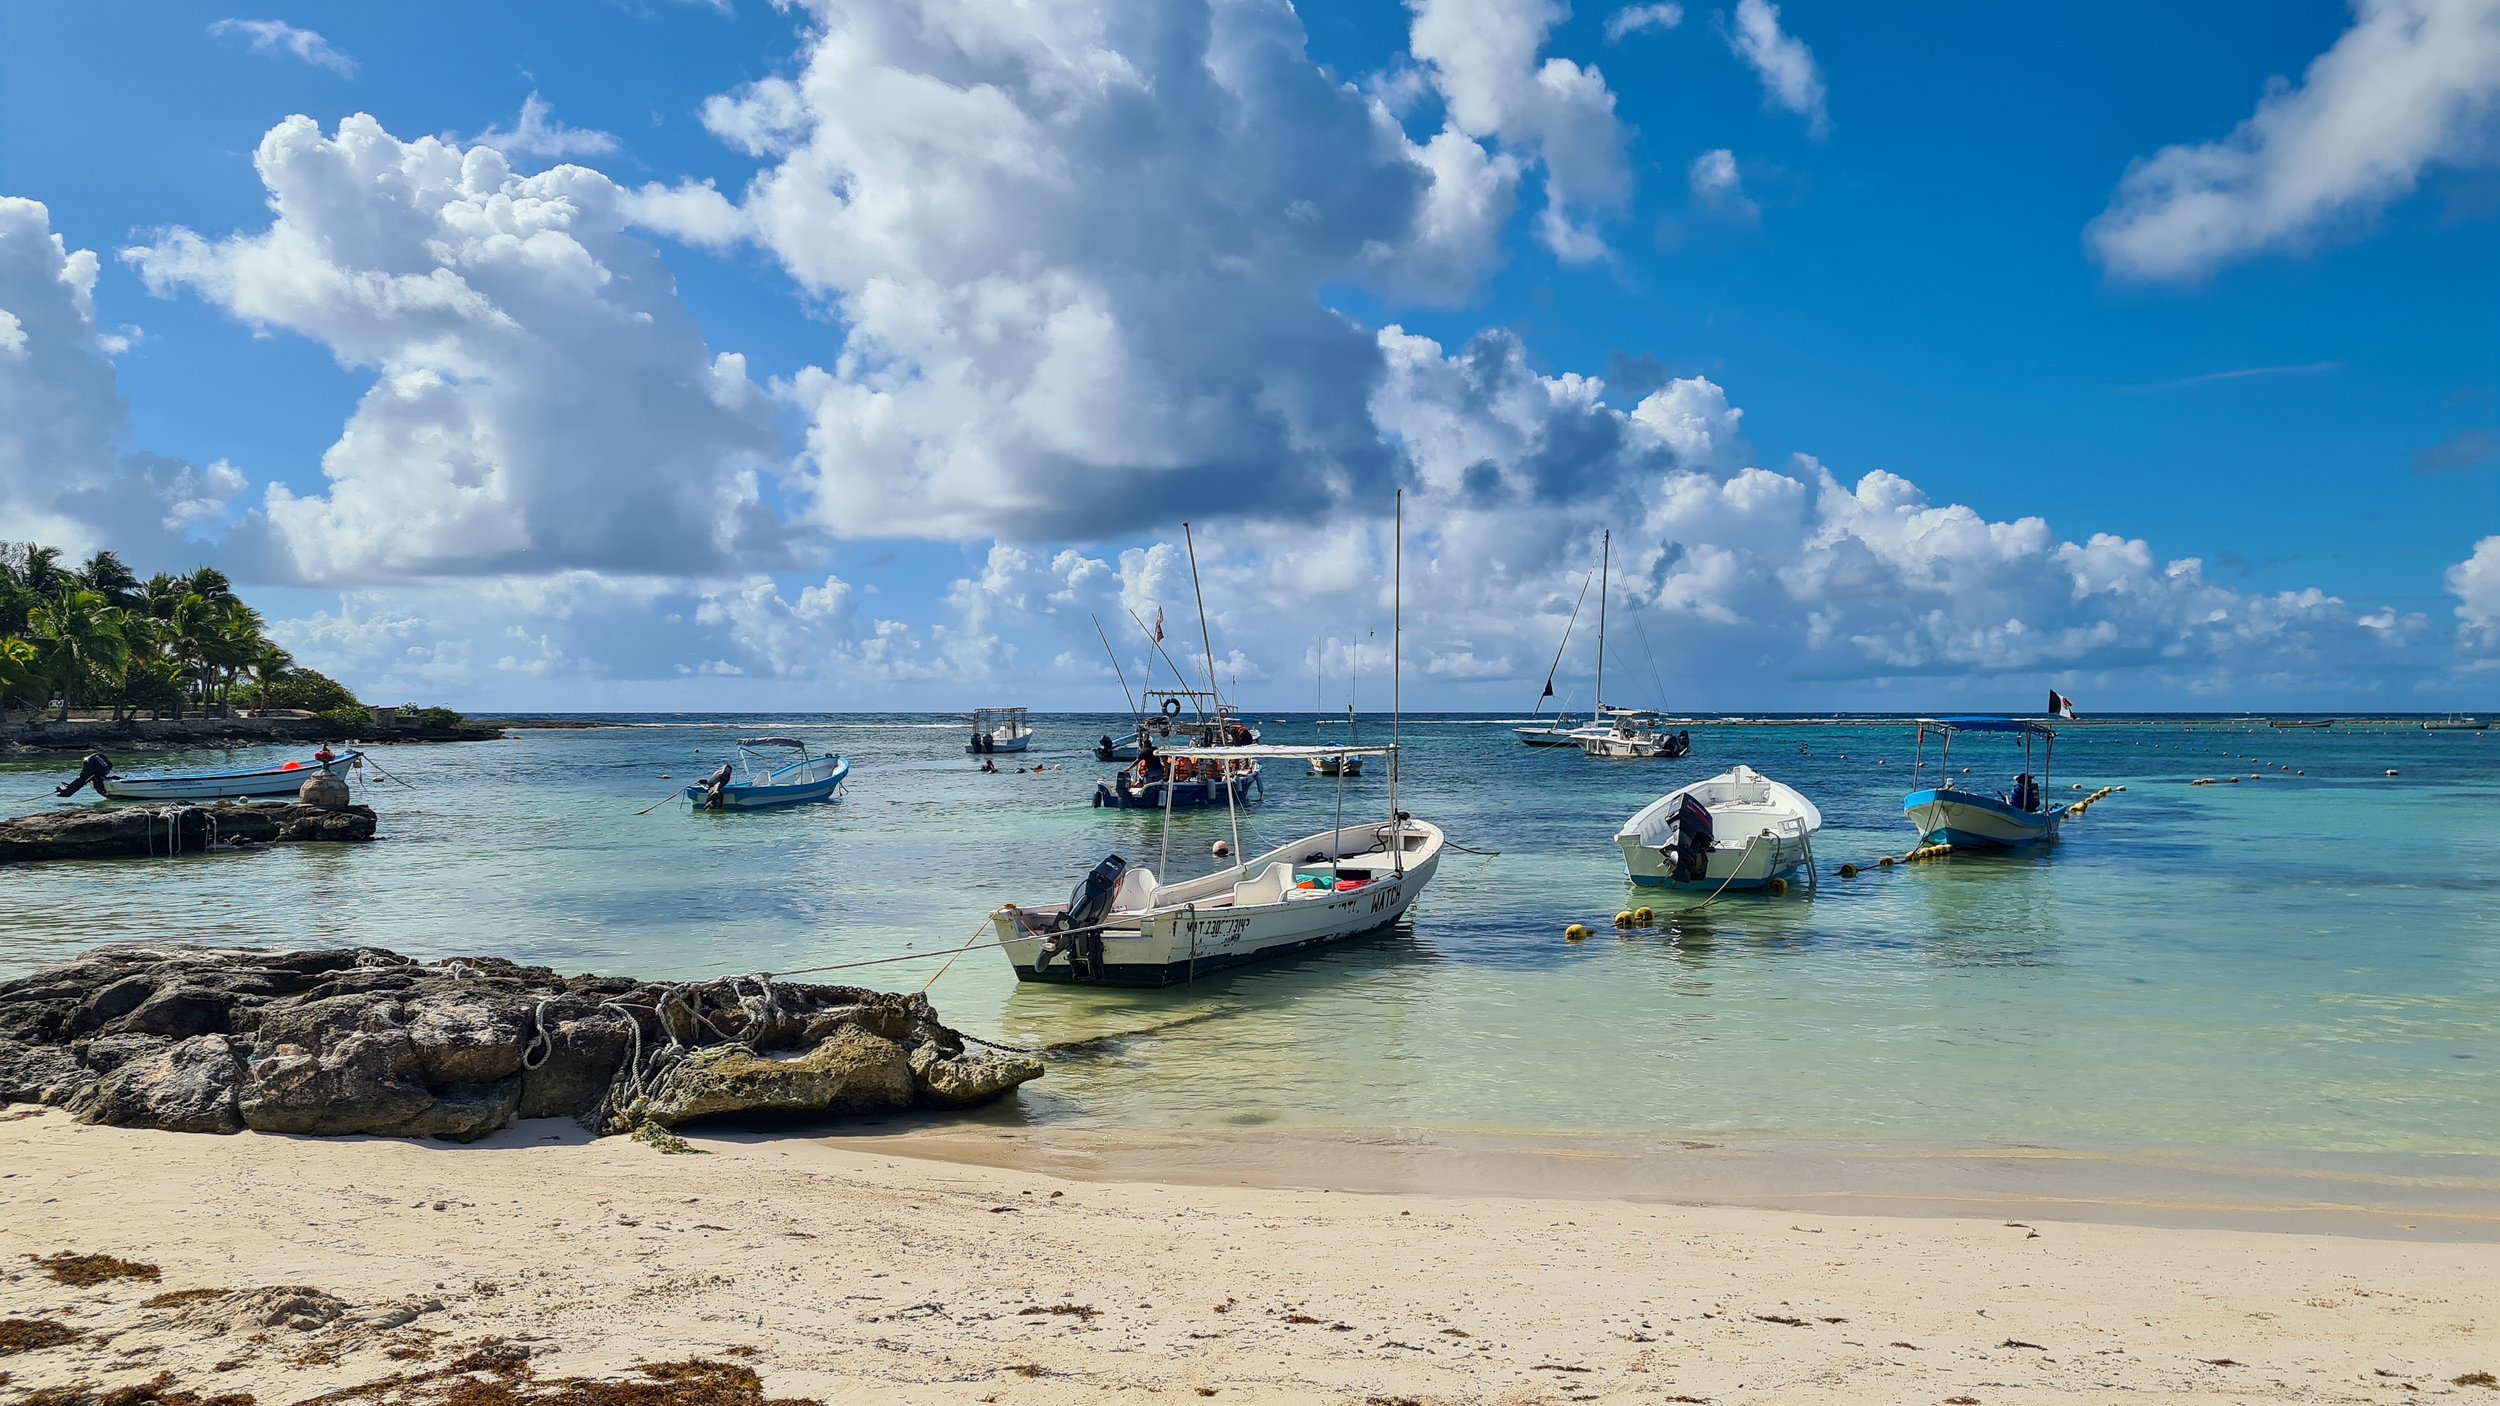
(1553, 668)
(1223, 768)
(1115, 663)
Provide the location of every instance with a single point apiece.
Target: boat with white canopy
(1738, 830)
(284, 779)
(770, 782)
(1000, 730)
(1125, 926)
(1946, 814)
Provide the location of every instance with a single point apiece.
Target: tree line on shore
(93, 635)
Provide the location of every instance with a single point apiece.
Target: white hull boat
(1561, 734)
(283, 780)
(1330, 887)
(1000, 730)
(1738, 830)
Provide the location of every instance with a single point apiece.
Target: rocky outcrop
(134, 832)
(367, 1041)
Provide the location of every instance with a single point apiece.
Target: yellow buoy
(1624, 918)
(1642, 916)
(1575, 933)
(1848, 871)
(1778, 887)
(1885, 862)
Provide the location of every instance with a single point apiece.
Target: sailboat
(1558, 732)
(1622, 734)
(1122, 926)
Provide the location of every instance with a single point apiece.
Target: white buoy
(1222, 849)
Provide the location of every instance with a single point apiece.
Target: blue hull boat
(1199, 793)
(809, 779)
(1967, 819)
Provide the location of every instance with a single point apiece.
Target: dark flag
(2060, 706)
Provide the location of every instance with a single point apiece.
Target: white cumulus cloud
(1633, 19)
(541, 398)
(2475, 582)
(2412, 84)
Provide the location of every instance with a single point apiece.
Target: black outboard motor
(1075, 933)
(1687, 849)
(716, 786)
(90, 773)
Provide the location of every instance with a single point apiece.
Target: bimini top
(1269, 751)
(772, 742)
(1983, 723)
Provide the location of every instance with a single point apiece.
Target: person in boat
(91, 772)
(2026, 793)
(1149, 765)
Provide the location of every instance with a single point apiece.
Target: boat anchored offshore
(1633, 734)
(1737, 830)
(1123, 927)
(2455, 722)
(1948, 815)
(284, 779)
(1000, 730)
(767, 786)
(1126, 927)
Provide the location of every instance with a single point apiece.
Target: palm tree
(105, 575)
(19, 675)
(78, 638)
(161, 594)
(209, 584)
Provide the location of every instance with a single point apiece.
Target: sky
(849, 354)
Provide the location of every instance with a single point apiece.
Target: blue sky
(1898, 271)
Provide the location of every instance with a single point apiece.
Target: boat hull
(1734, 868)
(1177, 942)
(1967, 820)
(1546, 736)
(235, 785)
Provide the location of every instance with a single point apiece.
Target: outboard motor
(90, 773)
(1687, 850)
(716, 786)
(1075, 933)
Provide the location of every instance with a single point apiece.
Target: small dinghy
(768, 785)
(284, 779)
(1949, 815)
(1737, 830)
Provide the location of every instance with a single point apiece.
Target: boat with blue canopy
(770, 781)
(1948, 814)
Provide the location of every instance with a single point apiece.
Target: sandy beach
(287, 1269)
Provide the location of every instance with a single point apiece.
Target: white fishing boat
(1950, 814)
(1633, 734)
(770, 783)
(2455, 722)
(1738, 830)
(1000, 730)
(1124, 926)
(283, 779)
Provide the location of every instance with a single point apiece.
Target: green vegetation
(95, 636)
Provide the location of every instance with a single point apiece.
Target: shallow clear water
(2298, 963)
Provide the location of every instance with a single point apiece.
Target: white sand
(870, 1277)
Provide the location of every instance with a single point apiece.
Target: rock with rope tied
(137, 832)
(361, 1040)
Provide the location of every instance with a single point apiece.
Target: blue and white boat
(1947, 814)
(766, 785)
(284, 779)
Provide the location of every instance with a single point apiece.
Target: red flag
(1158, 624)
(2060, 706)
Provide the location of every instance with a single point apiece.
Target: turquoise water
(2293, 965)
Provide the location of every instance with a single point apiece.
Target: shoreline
(2424, 1198)
(831, 1269)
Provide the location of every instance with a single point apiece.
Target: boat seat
(1270, 886)
(1136, 891)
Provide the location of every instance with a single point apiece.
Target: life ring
(1171, 707)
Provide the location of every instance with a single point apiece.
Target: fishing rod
(1178, 673)
(1115, 662)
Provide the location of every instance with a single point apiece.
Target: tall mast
(1605, 560)
(1397, 671)
(1223, 769)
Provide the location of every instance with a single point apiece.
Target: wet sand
(839, 1270)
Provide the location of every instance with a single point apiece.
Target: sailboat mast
(1397, 674)
(1223, 769)
(1605, 562)
(1550, 669)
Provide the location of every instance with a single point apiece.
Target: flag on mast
(1158, 624)
(2060, 706)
